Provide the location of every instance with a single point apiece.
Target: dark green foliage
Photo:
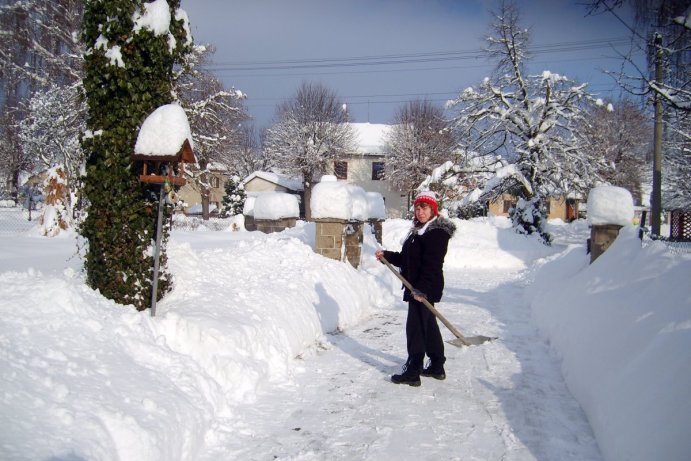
(529, 217)
(234, 198)
(121, 221)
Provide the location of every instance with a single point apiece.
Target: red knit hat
(429, 198)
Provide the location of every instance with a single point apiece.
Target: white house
(365, 167)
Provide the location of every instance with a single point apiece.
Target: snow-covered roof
(280, 179)
(370, 137)
(163, 132)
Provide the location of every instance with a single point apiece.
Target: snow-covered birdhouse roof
(164, 139)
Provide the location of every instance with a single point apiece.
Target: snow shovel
(460, 340)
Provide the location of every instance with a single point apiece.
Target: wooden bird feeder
(154, 165)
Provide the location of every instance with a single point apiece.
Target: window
(377, 171)
(341, 170)
(215, 182)
(508, 204)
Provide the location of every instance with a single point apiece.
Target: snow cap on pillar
(429, 198)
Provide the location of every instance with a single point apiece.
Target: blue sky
(377, 54)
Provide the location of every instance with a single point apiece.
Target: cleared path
(504, 400)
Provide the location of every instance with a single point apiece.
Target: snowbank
(622, 327)
(96, 380)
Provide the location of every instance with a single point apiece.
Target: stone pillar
(601, 237)
(353, 237)
(269, 226)
(339, 239)
(250, 224)
(376, 225)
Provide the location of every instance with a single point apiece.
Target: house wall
(557, 206)
(360, 174)
(191, 194)
(262, 185)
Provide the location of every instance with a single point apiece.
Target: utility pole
(656, 205)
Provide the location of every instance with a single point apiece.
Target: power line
(406, 58)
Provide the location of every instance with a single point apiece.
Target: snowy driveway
(504, 400)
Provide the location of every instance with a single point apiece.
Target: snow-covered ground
(265, 350)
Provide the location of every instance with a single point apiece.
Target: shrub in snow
(610, 205)
(234, 198)
(55, 216)
(528, 217)
(276, 205)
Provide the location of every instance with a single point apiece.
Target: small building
(264, 181)
(566, 209)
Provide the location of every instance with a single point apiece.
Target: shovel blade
(470, 340)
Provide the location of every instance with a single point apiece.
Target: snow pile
(163, 132)
(248, 207)
(610, 205)
(622, 327)
(339, 200)
(376, 209)
(95, 380)
(276, 205)
(84, 378)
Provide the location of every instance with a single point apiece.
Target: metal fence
(182, 222)
(674, 246)
(17, 219)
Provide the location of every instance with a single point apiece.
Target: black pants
(423, 335)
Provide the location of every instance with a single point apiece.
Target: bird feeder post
(157, 250)
(163, 173)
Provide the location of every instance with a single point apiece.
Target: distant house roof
(287, 182)
(370, 137)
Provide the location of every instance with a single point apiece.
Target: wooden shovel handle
(429, 305)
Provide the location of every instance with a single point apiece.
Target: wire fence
(190, 223)
(674, 246)
(17, 219)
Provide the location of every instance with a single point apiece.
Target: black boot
(435, 370)
(410, 376)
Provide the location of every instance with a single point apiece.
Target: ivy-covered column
(132, 47)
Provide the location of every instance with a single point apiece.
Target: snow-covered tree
(248, 156)
(661, 29)
(39, 47)
(417, 142)
(532, 120)
(132, 47)
(13, 160)
(312, 130)
(622, 135)
(50, 132)
(214, 114)
(468, 184)
(234, 198)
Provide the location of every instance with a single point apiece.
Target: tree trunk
(307, 185)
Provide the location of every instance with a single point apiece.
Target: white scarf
(419, 231)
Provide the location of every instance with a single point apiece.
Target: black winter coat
(421, 258)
